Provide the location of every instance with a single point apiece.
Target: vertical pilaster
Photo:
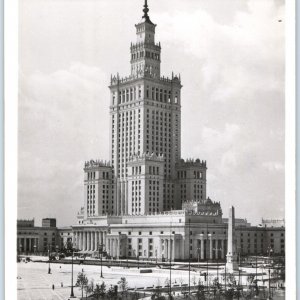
(210, 246)
(173, 249)
(202, 245)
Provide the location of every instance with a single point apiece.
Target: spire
(146, 10)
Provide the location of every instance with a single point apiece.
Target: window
(150, 233)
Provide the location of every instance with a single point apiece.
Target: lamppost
(269, 271)
(127, 251)
(189, 258)
(100, 254)
(217, 251)
(72, 291)
(49, 268)
(170, 287)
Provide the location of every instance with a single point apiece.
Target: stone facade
(31, 239)
(148, 202)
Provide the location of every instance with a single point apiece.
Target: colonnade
(27, 244)
(167, 248)
(211, 248)
(113, 246)
(89, 240)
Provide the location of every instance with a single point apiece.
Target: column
(84, 241)
(182, 249)
(210, 246)
(223, 250)
(173, 249)
(167, 248)
(88, 240)
(92, 240)
(112, 247)
(202, 246)
(108, 246)
(104, 238)
(25, 244)
(159, 251)
(79, 241)
(97, 239)
(117, 248)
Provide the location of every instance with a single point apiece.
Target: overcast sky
(230, 54)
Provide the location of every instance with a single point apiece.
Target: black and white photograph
(151, 150)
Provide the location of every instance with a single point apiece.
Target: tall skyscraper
(147, 174)
(145, 120)
(148, 202)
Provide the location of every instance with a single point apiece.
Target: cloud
(273, 166)
(62, 123)
(231, 58)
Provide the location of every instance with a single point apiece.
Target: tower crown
(145, 54)
(146, 16)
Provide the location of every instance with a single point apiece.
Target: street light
(217, 250)
(100, 254)
(270, 250)
(189, 258)
(49, 268)
(72, 291)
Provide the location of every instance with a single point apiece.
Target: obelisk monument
(231, 264)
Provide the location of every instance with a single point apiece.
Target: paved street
(35, 283)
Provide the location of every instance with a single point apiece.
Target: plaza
(34, 282)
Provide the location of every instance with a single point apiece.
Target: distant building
(273, 223)
(65, 235)
(49, 222)
(238, 222)
(31, 239)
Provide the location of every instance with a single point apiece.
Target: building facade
(37, 239)
(148, 202)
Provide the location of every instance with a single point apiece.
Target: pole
(239, 284)
(127, 250)
(225, 279)
(49, 268)
(206, 257)
(170, 262)
(189, 258)
(72, 292)
(269, 284)
(101, 274)
(257, 290)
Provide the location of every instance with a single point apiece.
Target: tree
(112, 292)
(97, 291)
(194, 280)
(123, 285)
(200, 295)
(88, 289)
(82, 282)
